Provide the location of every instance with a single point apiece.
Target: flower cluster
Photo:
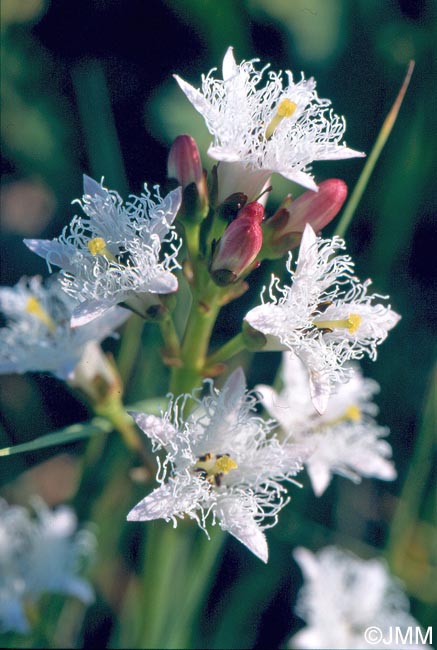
(39, 555)
(343, 597)
(111, 256)
(221, 460)
(344, 440)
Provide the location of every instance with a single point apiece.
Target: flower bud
(184, 164)
(283, 231)
(239, 245)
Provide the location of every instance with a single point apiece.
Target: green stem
(196, 340)
(170, 336)
(165, 552)
(196, 578)
(228, 350)
(385, 131)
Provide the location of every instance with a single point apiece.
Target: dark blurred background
(86, 86)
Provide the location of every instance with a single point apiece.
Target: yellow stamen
(97, 246)
(351, 323)
(353, 412)
(35, 308)
(224, 464)
(285, 108)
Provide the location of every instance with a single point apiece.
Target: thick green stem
(196, 340)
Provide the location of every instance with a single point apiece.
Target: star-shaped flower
(223, 461)
(259, 128)
(38, 336)
(346, 601)
(345, 440)
(112, 255)
(325, 316)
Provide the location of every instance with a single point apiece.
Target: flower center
(351, 323)
(97, 246)
(285, 108)
(34, 307)
(213, 467)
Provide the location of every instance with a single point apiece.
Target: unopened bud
(184, 164)
(239, 245)
(283, 231)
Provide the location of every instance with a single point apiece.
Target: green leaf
(82, 430)
(62, 437)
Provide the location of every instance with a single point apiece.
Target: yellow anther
(355, 321)
(286, 108)
(223, 465)
(351, 323)
(353, 412)
(35, 308)
(97, 246)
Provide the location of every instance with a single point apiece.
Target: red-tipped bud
(184, 164)
(239, 245)
(284, 230)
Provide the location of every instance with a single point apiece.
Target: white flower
(111, 256)
(58, 553)
(345, 440)
(40, 555)
(281, 126)
(342, 596)
(221, 461)
(38, 336)
(325, 316)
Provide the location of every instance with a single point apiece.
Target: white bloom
(221, 461)
(38, 336)
(345, 440)
(111, 256)
(342, 596)
(281, 126)
(325, 316)
(37, 556)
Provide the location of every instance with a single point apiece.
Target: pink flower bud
(284, 230)
(184, 164)
(239, 245)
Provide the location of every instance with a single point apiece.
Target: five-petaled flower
(112, 256)
(345, 440)
(222, 460)
(38, 336)
(326, 317)
(279, 127)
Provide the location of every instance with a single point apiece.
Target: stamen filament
(351, 323)
(35, 308)
(286, 108)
